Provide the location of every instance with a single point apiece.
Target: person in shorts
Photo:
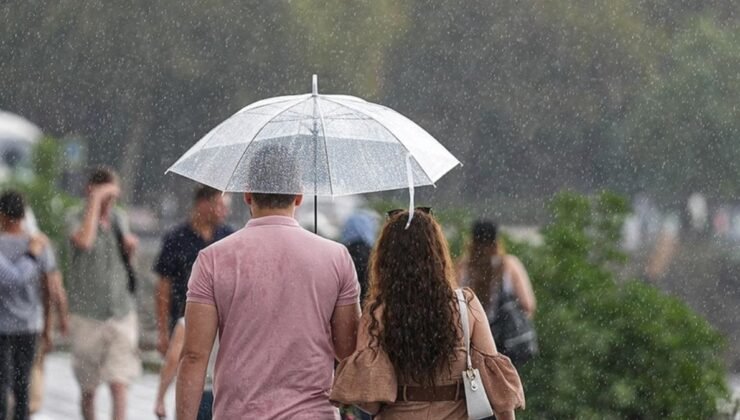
(103, 323)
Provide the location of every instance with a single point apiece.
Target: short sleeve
(122, 221)
(73, 221)
(349, 287)
(48, 261)
(166, 263)
(200, 285)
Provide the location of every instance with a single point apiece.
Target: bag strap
(463, 305)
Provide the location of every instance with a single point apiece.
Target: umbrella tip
(314, 85)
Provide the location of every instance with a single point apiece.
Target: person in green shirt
(103, 322)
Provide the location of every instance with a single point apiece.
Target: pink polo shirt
(275, 286)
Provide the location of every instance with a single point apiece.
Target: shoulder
(469, 294)
(514, 266)
(512, 261)
(325, 245)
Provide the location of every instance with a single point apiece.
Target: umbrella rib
(326, 150)
(284, 110)
(245, 109)
(388, 130)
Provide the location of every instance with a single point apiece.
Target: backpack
(513, 332)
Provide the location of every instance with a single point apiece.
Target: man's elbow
(191, 358)
(80, 244)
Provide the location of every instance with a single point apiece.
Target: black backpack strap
(125, 257)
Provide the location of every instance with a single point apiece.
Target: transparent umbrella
(315, 144)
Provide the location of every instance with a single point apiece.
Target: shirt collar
(273, 221)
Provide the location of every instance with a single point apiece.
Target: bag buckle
(470, 373)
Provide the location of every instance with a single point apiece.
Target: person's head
(210, 205)
(102, 176)
(484, 246)
(12, 207)
(412, 300)
(273, 180)
(361, 226)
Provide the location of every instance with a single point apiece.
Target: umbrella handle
(316, 214)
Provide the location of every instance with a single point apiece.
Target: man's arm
(58, 299)
(344, 324)
(25, 268)
(162, 296)
(84, 237)
(169, 369)
(201, 324)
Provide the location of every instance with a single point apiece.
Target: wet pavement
(61, 398)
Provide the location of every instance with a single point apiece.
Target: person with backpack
(502, 284)
(103, 322)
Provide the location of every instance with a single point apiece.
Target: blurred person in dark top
(358, 235)
(180, 248)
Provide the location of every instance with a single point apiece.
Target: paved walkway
(61, 399)
(62, 394)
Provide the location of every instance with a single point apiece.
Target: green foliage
(48, 203)
(611, 351)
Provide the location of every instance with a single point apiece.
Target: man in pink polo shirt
(285, 304)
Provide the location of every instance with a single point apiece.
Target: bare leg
(88, 405)
(119, 392)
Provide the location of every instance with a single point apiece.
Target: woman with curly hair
(410, 351)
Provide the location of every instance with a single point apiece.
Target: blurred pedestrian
(410, 354)
(180, 248)
(103, 323)
(169, 371)
(358, 235)
(497, 278)
(26, 265)
(285, 303)
(55, 308)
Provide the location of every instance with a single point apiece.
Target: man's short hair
(101, 175)
(12, 205)
(274, 177)
(204, 193)
(273, 201)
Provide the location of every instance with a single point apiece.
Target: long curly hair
(412, 303)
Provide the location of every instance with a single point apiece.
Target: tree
(611, 351)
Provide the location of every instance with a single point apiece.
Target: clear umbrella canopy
(324, 145)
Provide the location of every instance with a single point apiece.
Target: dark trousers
(16, 360)
(205, 411)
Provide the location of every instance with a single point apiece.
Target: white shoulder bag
(475, 395)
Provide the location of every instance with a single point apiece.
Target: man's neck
(260, 212)
(200, 225)
(13, 228)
